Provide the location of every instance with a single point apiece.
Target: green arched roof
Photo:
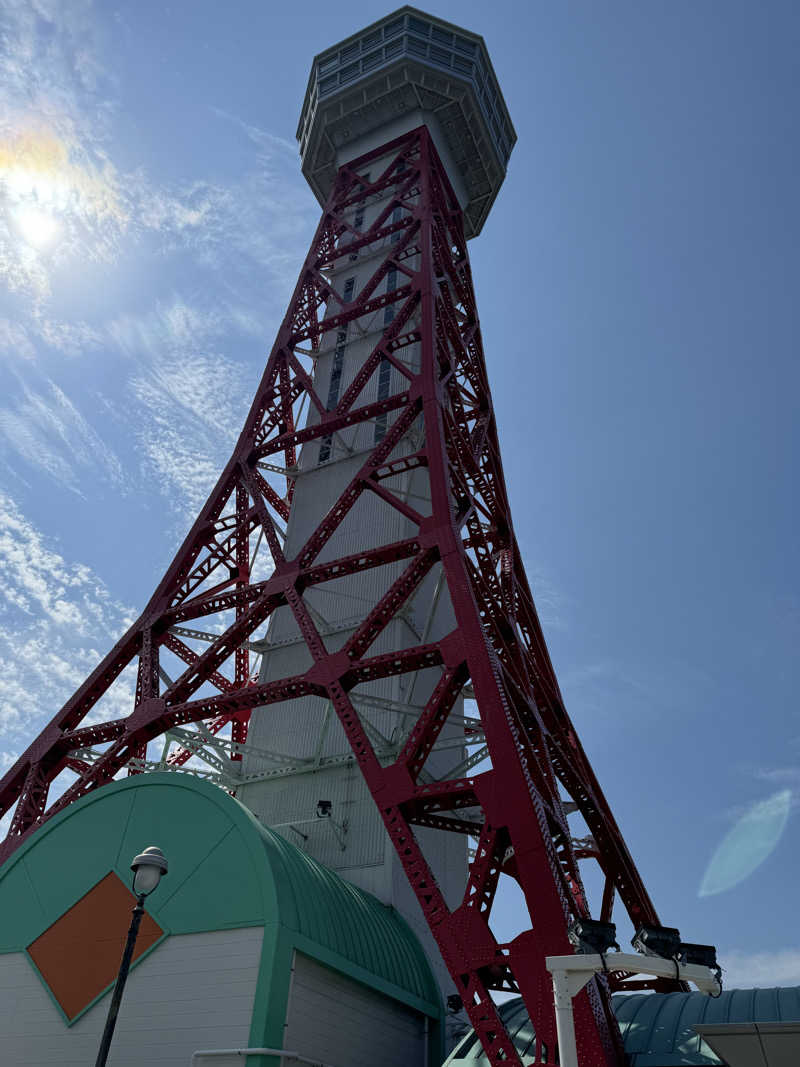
(657, 1029)
(226, 870)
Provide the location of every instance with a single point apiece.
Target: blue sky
(637, 288)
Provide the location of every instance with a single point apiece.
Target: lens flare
(747, 844)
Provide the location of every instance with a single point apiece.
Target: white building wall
(340, 1022)
(193, 991)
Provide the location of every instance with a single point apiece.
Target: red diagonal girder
(514, 808)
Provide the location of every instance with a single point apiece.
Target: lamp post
(148, 868)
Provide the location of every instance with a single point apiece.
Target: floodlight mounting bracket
(572, 973)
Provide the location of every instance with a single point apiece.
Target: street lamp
(148, 868)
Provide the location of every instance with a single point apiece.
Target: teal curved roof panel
(226, 870)
(345, 919)
(657, 1029)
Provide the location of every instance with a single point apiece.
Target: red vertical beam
(242, 654)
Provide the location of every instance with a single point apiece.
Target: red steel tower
(359, 543)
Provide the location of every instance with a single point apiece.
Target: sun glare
(35, 226)
(33, 173)
(56, 200)
(37, 180)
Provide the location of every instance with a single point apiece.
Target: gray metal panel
(756, 1044)
(193, 991)
(341, 1022)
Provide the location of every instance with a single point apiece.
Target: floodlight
(591, 935)
(662, 941)
(705, 955)
(324, 809)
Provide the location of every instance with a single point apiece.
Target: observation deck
(407, 69)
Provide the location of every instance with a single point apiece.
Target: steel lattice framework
(516, 809)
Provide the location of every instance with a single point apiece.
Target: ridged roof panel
(658, 1029)
(347, 920)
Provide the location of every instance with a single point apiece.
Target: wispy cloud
(74, 338)
(65, 198)
(45, 429)
(60, 190)
(57, 619)
(609, 686)
(22, 343)
(15, 342)
(602, 685)
(266, 142)
(187, 388)
(552, 604)
(190, 397)
(261, 221)
(743, 970)
(175, 384)
(787, 775)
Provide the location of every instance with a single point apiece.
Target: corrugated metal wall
(193, 991)
(345, 1024)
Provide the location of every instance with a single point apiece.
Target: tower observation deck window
(372, 60)
(391, 285)
(337, 366)
(397, 214)
(358, 222)
(334, 386)
(385, 368)
(384, 378)
(440, 55)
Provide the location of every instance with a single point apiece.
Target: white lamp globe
(148, 868)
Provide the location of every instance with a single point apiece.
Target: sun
(36, 227)
(34, 175)
(59, 198)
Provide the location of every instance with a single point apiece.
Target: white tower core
(298, 773)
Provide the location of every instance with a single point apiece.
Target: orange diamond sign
(79, 955)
